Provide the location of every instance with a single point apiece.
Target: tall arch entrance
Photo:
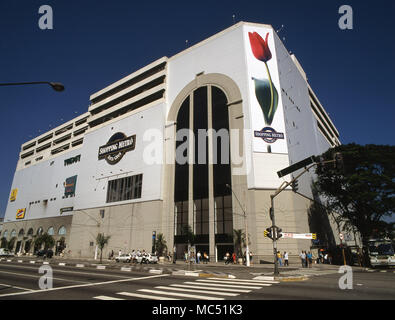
(201, 194)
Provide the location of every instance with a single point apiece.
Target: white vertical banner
(266, 108)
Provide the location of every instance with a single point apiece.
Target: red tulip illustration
(260, 47)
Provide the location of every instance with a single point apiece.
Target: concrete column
(210, 178)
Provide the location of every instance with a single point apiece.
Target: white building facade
(164, 147)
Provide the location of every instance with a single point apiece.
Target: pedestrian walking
(198, 257)
(227, 258)
(303, 258)
(285, 259)
(205, 257)
(279, 259)
(309, 259)
(234, 257)
(186, 257)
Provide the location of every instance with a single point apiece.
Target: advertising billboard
(20, 213)
(266, 109)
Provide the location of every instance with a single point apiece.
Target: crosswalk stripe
(208, 288)
(235, 282)
(181, 294)
(225, 285)
(199, 291)
(107, 298)
(144, 296)
(244, 280)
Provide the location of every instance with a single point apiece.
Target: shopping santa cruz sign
(116, 147)
(269, 135)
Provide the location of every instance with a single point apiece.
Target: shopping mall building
(195, 139)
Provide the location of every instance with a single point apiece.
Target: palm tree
(238, 241)
(101, 241)
(160, 244)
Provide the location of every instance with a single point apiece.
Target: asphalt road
(22, 282)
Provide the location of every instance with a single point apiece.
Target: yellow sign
(314, 236)
(20, 214)
(14, 192)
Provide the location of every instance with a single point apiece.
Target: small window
(51, 231)
(62, 230)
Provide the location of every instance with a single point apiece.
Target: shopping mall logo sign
(269, 135)
(116, 147)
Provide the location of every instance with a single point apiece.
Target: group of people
(233, 258)
(282, 258)
(196, 258)
(306, 259)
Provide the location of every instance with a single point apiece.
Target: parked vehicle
(5, 253)
(45, 253)
(124, 258)
(147, 258)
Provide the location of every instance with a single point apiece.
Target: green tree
(190, 236)
(362, 194)
(45, 239)
(101, 241)
(3, 243)
(160, 244)
(11, 244)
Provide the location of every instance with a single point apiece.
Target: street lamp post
(55, 85)
(245, 225)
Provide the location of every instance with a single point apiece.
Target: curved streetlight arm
(55, 85)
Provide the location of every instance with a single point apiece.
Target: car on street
(5, 253)
(127, 257)
(147, 258)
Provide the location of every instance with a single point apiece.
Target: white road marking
(225, 285)
(198, 291)
(244, 280)
(107, 298)
(83, 285)
(144, 296)
(208, 288)
(74, 272)
(39, 276)
(184, 295)
(234, 282)
(15, 287)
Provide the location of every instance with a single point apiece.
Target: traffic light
(338, 164)
(294, 186)
(268, 233)
(279, 233)
(314, 236)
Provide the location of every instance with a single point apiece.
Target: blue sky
(95, 43)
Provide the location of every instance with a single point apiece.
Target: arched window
(5, 234)
(21, 233)
(39, 231)
(203, 109)
(13, 234)
(62, 230)
(30, 232)
(51, 231)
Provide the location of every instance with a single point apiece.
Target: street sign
(308, 236)
(296, 166)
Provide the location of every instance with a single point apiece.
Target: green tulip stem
(271, 90)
